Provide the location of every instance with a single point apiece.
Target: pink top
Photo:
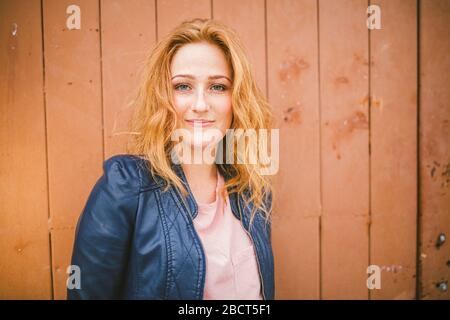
(231, 266)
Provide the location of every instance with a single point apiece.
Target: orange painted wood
(338, 208)
(434, 147)
(62, 244)
(393, 140)
(74, 120)
(292, 57)
(344, 149)
(128, 33)
(172, 12)
(247, 19)
(24, 239)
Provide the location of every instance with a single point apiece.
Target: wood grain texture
(128, 33)
(434, 148)
(393, 141)
(25, 270)
(292, 53)
(74, 118)
(345, 148)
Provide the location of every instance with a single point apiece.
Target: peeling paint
(291, 68)
(14, 29)
(440, 173)
(342, 80)
(292, 115)
(358, 58)
(342, 130)
(376, 103)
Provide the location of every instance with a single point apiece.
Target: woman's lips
(200, 123)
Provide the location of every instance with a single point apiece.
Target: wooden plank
(247, 19)
(345, 148)
(170, 13)
(128, 33)
(393, 85)
(24, 239)
(434, 147)
(74, 118)
(62, 244)
(292, 55)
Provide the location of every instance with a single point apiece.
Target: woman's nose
(200, 104)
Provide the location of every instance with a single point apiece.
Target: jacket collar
(226, 172)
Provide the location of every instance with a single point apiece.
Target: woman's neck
(202, 180)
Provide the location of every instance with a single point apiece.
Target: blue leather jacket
(134, 241)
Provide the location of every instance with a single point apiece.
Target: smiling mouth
(200, 122)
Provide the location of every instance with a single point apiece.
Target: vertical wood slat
(172, 12)
(127, 35)
(292, 54)
(393, 85)
(74, 122)
(247, 19)
(434, 150)
(344, 70)
(24, 239)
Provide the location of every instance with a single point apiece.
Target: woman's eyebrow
(184, 76)
(218, 77)
(210, 77)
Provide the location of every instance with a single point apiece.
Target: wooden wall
(363, 116)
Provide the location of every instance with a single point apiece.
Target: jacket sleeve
(104, 231)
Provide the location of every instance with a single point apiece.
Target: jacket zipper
(254, 248)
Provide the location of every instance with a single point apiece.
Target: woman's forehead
(200, 59)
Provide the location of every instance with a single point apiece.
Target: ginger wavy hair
(155, 119)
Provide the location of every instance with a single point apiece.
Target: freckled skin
(200, 96)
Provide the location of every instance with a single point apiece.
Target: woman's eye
(218, 87)
(182, 87)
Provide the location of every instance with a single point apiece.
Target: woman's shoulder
(127, 162)
(129, 169)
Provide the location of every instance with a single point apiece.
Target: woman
(158, 225)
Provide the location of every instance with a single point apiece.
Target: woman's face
(201, 81)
